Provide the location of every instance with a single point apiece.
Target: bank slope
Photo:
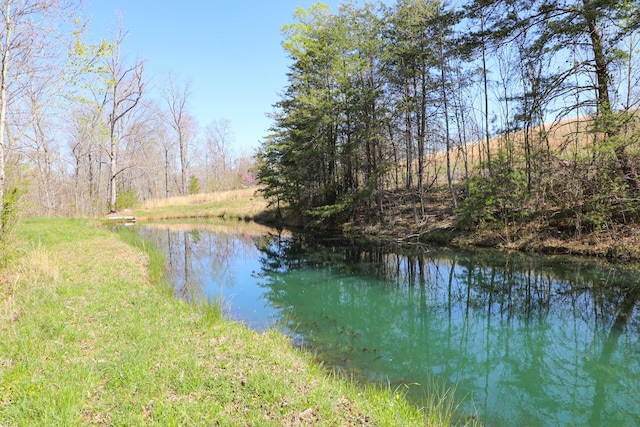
(87, 339)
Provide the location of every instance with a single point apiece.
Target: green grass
(89, 336)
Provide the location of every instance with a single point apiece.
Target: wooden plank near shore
(121, 218)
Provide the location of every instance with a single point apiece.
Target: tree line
(520, 110)
(85, 131)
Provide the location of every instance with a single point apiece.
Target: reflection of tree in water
(195, 258)
(531, 342)
(180, 246)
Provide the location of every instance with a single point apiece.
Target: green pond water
(525, 340)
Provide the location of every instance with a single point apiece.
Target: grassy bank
(245, 203)
(89, 337)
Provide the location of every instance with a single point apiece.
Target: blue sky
(230, 50)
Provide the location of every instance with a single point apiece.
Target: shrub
(126, 199)
(194, 185)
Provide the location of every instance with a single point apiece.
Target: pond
(525, 340)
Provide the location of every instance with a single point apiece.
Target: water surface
(525, 340)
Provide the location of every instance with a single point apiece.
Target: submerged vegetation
(98, 341)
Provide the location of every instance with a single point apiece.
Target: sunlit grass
(199, 199)
(565, 140)
(444, 404)
(89, 337)
(245, 204)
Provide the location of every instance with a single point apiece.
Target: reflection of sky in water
(525, 343)
(242, 296)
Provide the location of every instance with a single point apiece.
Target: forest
(84, 130)
(514, 115)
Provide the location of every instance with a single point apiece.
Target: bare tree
(125, 89)
(35, 122)
(24, 27)
(176, 97)
(88, 86)
(219, 136)
(159, 152)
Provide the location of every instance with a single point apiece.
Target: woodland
(84, 131)
(518, 117)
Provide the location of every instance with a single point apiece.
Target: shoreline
(620, 245)
(90, 334)
(616, 242)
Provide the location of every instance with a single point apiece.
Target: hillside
(442, 226)
(404, 222)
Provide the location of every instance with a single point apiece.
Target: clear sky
(230, 50)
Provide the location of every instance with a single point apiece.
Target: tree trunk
(183, 164)
(166, 173)
(3, 105)
(600, 59)
(443, 82)
(611, 128)
(112, 181)
(486, 97)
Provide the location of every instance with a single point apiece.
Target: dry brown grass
(563, 139)
(36, 267)
(200, 199)
(244, 204)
